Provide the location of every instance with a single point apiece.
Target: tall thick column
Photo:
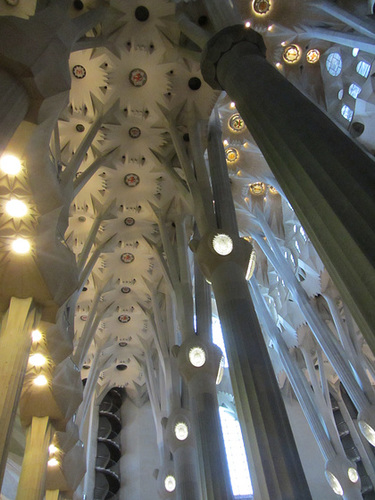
(199, 362)
(15, 342)
(327, 178)
(34, 465)
(181, 440)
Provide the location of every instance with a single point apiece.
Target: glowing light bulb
(353, 474)
(37, 359)
(270, 27)
(225, 142)
(52, 449)
(16, 208)
(53, 462)
(222, 244)
(40, 380)
(10, 164)
(247, 24)
(197, 356)
(181, 431)
(21, 246)
(232, 105)
(170, 483)
(334, 483)
(367, 431)
(36, 336)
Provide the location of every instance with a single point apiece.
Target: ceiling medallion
(129, 221)
(231, 155)
(127, 257)
(236, 123)
(137, 77)
(134, 132)
(292, 54)
(261, 6)
(131, 180)
(313, 56)
(126, 289)
(257, 189)
(124, 318)
(79, 71)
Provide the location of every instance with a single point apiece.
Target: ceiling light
(40, 380)
(170, 483)
(21, 246)
(181, 431)
(232, 105)
(247, 24)
(251, 265)
(16, 208)
(197, 356)
(222, 244)
(36, 336)
(353, 474)
(37, 359)
(10, 164)
(53, 462)
(220, 371)
(52, 449)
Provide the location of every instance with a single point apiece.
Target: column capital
(222, 42)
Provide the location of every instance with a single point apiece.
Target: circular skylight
(334, 64)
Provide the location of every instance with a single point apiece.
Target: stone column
(34, 465)
(14, 103)
(272, 454)
(185, 457)
(327, 178)
(15, 342)
(201, 382)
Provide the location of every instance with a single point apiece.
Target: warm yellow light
(247, 24)
(37, 359)
(278, 65)
(40, 380)
(52, 462)
(16, 208)
(270, 27)
(21, 246)
(232, 105)
(10, 164)
(52, 449)
(36, 336)
(225, 142)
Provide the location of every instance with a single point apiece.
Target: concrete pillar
(34, 465)
(276, 470)
(14, 103)
(201, 382)
(327, 178)
(185, 457)
(15, 342)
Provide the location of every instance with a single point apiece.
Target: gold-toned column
(15, 342)
(34, 465)
(52, 495)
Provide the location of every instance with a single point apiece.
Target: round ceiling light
(367, 431)
(292, 54)
(222, 244)
(231, 155)
(170, 483)
(21, 246)
(10, 164)
(197, 356)
(36, 335)
(53, 462)
(16, 208)
(313, 56)
(261, 7)
(181, 431)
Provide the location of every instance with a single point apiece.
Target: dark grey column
(327, 178)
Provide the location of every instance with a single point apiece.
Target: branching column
(327, 178)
